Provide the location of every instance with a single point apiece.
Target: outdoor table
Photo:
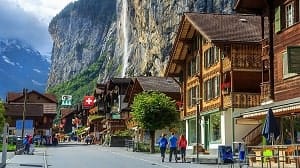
(262, 153)
(280, 152)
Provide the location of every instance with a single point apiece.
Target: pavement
(19, 161)
(39, 159)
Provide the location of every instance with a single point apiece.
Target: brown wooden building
(110, 111)
(168, 86)
(41, 108)
(281, 59)
(218, 59)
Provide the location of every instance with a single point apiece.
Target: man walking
(173, 147)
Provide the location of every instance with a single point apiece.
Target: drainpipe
(271, 49)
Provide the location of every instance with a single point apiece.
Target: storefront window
(191, 131)
(215, 127)
(297, 129)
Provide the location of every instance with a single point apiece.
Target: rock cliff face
(136, 42)
(79, 33)
(151, 28)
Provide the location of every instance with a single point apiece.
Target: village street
(89, 156)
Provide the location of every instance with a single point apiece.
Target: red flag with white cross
(88, 101)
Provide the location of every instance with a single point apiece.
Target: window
(289, 14)
(192, 131)
(194, 66)
(290, 61)
(211, 56)
(212, 88)
(215, 127)
(193, 96)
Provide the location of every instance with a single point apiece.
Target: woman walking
(163, 142)
(182, 143)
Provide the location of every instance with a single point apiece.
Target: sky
(28, 20)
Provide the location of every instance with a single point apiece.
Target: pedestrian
(182, 143)
(163, 142)
(173, 147)
(26, 144)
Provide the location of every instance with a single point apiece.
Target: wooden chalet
(110, 111)
(66, 124)
(217, 58)
(168, 86)
(40, 108)
(281, 60)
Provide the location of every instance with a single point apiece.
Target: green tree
(2, 119)
(153, 111)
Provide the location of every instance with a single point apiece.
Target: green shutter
(293, 53)
(277, 20)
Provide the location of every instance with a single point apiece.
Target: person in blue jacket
(163, 142)
(173, 146)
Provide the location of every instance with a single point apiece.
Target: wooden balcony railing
(265, 91)
(241, 100)
(265, 49)
(226, 64)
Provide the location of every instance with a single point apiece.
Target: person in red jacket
(182, 143)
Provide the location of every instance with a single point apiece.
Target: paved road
(90, 156)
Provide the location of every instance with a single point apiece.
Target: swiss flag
(88, 101)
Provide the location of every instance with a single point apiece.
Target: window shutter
(293, 53)
(277, 20)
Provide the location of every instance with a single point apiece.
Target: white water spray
(124, 27)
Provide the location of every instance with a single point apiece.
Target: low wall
(118, 141)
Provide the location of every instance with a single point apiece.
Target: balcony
(265, 49)
(265, 91)
(241, 100)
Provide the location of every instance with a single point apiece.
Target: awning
(280, 108)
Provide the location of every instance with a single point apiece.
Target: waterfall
(124, 27)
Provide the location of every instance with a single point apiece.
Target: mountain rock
(21, 66)
(132, 37)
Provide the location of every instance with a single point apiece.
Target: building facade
(217, 59)
(281, 50)
(38, 108)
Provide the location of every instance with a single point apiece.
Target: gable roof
(215, 28)
(161, 84)
(13, 96)
(152, 83)
(225, 27)
(66, 112)
(254, 6)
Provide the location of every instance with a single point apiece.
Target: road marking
(45, 160)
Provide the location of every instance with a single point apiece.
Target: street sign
(88, 101)
(66, 100)
(28, 127)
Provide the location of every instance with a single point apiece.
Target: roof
(118, 81)
(215, 28)
(162, 84)
(14, 96)
(253, 6)
(226, 27)
(65, 112)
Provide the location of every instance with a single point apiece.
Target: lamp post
(24, 110)
(198, 131)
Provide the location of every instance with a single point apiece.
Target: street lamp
(24, 111)
(198, 131)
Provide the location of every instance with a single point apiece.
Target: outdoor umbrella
(271, 129)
